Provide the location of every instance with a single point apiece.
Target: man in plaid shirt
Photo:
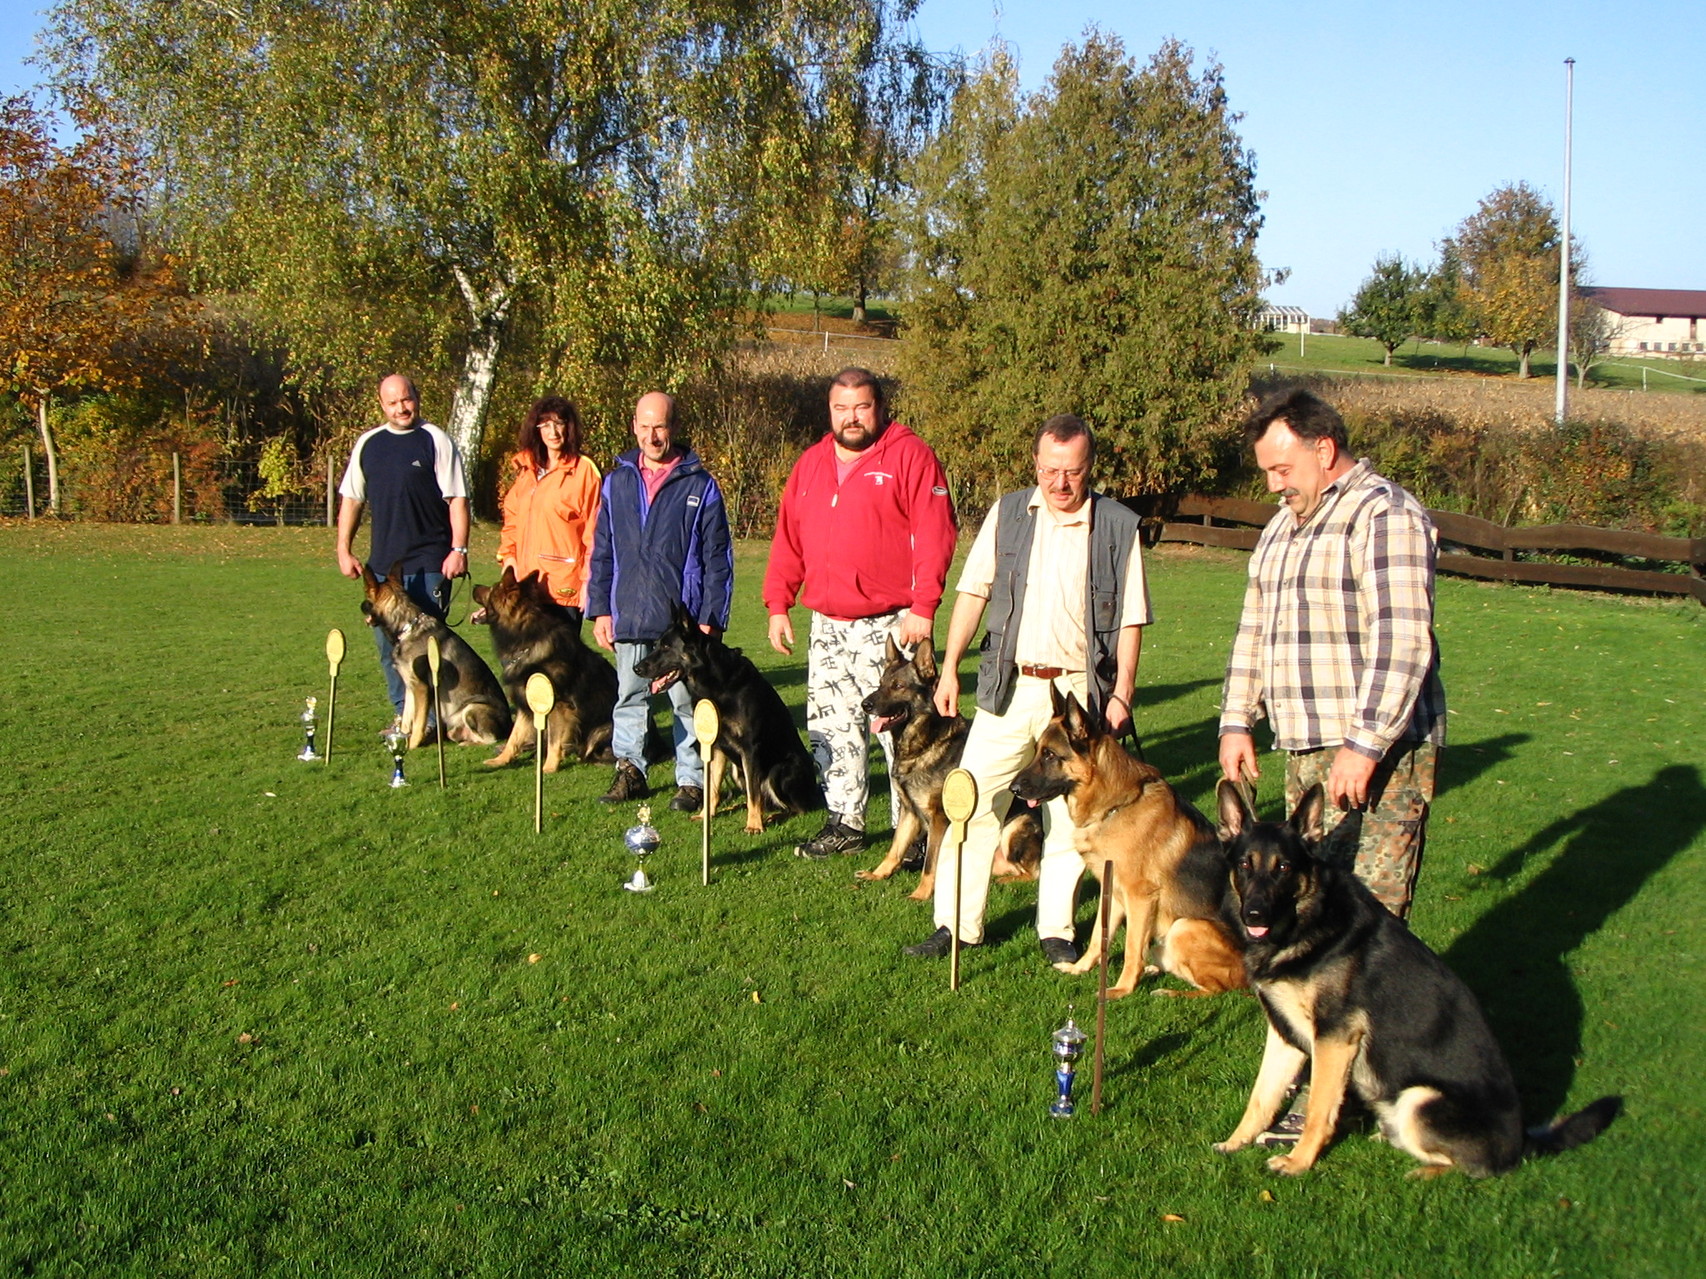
(1336, 643)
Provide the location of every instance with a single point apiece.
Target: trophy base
(638, 884)
(397, 782)
(1062, 1110)
(308, 756)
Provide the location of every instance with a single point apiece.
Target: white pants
(998, 747)
(844, 664)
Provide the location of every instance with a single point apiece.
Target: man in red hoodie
(866, 527)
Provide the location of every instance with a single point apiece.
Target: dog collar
(404, 632)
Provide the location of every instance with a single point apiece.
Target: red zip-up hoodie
(879, 541)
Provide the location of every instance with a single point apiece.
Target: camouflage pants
(843, 666)
(1383, 845)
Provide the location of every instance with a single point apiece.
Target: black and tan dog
(927, 747)
(470, 700)
(532, 633)
(1350, 990)
(1169, 869)
(754, 728)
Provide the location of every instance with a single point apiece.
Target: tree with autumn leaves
(73, 305)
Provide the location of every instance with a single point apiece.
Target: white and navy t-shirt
(406, 478)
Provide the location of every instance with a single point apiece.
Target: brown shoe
(628, 784)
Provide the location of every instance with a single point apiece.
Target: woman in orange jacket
(552, 505)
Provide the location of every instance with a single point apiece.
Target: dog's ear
(368, 580)
(395, 574)
(1236, 814)
(1077, 723)
(924, 659)
(1056, 700)
(891, 651)
(1306, 817)
(680, 615)
(482, 595)
(508, 579)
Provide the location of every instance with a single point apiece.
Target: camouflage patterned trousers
(1388, 840)
(844, 664)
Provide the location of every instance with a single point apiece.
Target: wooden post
(334, 659)
(437, 713)
(1101, 988)
(331, 490)
(29, 484)
(959, 799)
(177, 490)
(541, 697)
(705, 732)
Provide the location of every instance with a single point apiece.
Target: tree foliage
(73, 307)
(1090, 249)
(1509, 253)
(1389, 306)
(393, 182)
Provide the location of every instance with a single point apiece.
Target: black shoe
(914, 859)
(832, 839)
(936, 945)
(629, 783)
(688, 799)
(1059, 951)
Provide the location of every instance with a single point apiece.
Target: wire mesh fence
(166, 489)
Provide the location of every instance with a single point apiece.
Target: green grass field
(1334, 353)
(266, 1017)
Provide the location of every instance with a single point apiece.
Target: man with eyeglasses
(1059, 573)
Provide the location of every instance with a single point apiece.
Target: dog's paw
(1229, 1145)
(881, 872)
(1289, 1165)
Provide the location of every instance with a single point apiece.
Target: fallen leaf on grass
(1473, 869)
(755, 998)
(1267, 1196)
(232, 982)
(1565, 1203)
(533, 958)
(270, 794)
(245, 1038)
(1171, 1216)
(847, 1183)
(455, 1005)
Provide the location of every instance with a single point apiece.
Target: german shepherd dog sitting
(927, 747)
(531, 634)
(1169, 869)
(1350, 990)
(754, 728)
(470, 701)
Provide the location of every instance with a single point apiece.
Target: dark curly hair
(527, 438)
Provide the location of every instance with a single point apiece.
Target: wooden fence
(1471, 547)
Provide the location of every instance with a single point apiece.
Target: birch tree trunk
(51, 451)
(489, 310)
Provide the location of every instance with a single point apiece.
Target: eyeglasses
(1049, 474)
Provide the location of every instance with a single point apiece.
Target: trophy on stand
(1068, 1046)
(394, 739)
(308, 754)
(642, 841)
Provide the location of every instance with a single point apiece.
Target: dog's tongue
(1256, 930)
(882, 723)
(662, 682)
(1030, 803)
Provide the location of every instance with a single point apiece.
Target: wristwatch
(459, 550)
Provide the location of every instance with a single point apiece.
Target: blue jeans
(634, 710)
(429, 589)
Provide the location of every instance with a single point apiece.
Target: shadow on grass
(1514, 956)
(1461, 764)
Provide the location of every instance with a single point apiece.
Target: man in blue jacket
(662, 538)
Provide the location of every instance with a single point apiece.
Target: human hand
(781, 633)
(911, 629)
(1347, 781)
(1238, 757)
(947, 696)
(603, 632)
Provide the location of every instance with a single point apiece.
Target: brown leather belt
(1044, 672)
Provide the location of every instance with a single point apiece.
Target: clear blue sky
(1377, 128)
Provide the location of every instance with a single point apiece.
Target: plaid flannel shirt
(1336, 640)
